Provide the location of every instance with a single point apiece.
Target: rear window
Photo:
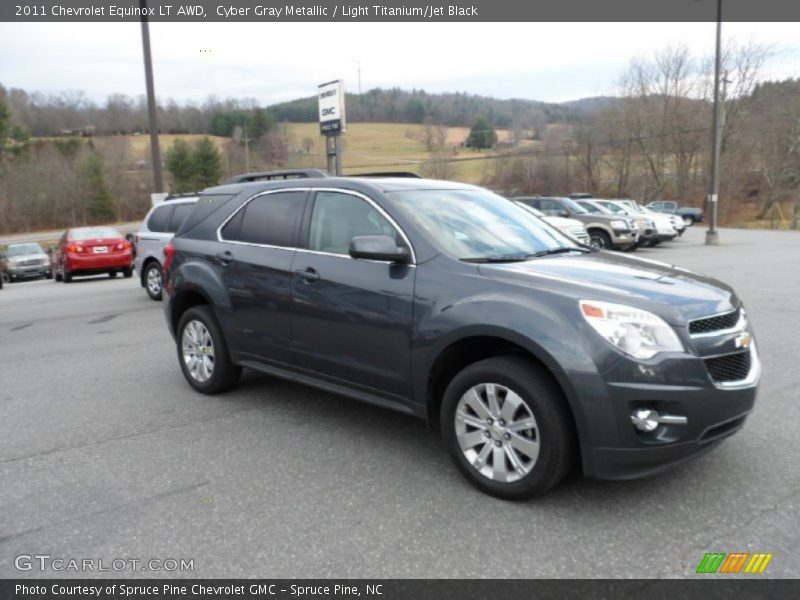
(198, 222)
(180, 213)
(94, 233)
(159, 219)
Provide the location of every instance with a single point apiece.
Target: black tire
(48, 275)
(156, 270)
(112, 274)
(127, 272)
(66, 277)
(599, 239)
(224, 374)
(57, 277)
(555, 428)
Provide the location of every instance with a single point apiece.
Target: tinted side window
(178, 215)
(338, 218)
(271, 219)
(159, 219)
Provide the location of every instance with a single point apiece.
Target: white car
(572, 227)
(665, 229)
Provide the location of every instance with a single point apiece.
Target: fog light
(645, 419)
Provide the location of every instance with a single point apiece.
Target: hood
(675, 294)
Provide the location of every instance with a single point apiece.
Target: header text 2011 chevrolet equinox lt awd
(530, 352)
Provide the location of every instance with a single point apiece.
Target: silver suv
(26, 261)
(157, 230)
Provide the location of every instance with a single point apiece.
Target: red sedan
(93, 250)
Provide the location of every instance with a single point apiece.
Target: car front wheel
(599, 239)
(203, 352)
(507, 427)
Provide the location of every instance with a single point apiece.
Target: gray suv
(26, 261)
(157, 230)
(531, 353)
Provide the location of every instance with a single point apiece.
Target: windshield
(594, 208)
(94, 233)
(24, 249)
(573, 206)
(478, 224)
(614, 208)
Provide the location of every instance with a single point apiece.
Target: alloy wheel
(154, 281)
(497, 432)
(197, 348)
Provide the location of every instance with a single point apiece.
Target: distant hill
(454, 109)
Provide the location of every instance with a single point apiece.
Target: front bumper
(624, 239)
(666, 237)
(612, 448)
(28, 271)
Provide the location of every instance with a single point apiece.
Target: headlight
(618, 225)
(634, 331)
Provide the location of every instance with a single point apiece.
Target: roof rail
(408, 174)
(270, 175)
(180, 195)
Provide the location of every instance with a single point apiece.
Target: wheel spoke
(528, 447)
(491, 395)
(523, 425)
(499, 469)
(513, 457)
(471, 439)
(482, 457)
(510, 406)
(470, 420)
(474, 401)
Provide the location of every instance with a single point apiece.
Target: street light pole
(158, 180)
(712, 235)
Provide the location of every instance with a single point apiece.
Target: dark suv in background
(530, 352)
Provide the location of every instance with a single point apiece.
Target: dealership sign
(331, 107)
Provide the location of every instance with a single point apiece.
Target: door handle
(224, 258)
(309, 274)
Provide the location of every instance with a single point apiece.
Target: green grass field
(367, 147)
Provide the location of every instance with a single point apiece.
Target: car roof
(387, 184)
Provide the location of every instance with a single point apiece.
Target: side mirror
(563, 213)
(378, 247)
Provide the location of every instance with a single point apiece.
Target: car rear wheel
(112, 274)
(203, 352)
(66, 276)
(599, 239)
(153, 281)
(507, 427)
(127, 272)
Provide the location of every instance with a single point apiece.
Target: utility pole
(158, 179)
(246, 140)
(359, 78)
(712, 235)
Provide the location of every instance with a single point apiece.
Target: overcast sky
(273, 62)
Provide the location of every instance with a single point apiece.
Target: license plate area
(100, 249)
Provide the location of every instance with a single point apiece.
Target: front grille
(731, 367)
(715, 323)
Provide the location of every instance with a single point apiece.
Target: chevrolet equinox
(530, 352)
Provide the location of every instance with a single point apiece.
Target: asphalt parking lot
(105, 452)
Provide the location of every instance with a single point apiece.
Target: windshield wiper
(561, 250)
(496, 259)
